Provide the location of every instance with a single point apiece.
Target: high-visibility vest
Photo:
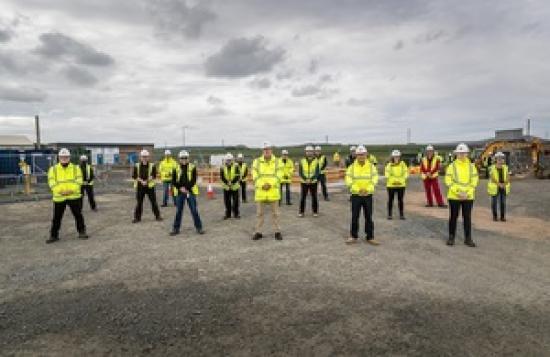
(429, 167)
(461, 176)
(361, 177)
(309, 169)
(190, 168)
(88, 169)
(288, 170)
(322, 160)
(492, 185)
(336, 157)
(166, 167)
(150, 180)
(243, 172)
(61, 179)
(229, 173)
(396, 174)
(373, 159)
(267, 172)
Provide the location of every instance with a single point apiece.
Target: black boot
(52, 239)
(469, 242)
(451, 240)
(278, 236)
(82, 235)
(174, 232)
(257, 236)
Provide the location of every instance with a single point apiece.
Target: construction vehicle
(523, 156)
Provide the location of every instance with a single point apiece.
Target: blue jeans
(192, 203)
(166, 187)
(500, 196)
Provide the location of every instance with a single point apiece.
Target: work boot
(402, 217)
(451, 240)
(52, 240)
(351, 240)
(371, 241)
(159, 219)
(495, 218)
(470, 243)
(225, 218)
(390, 217)
(278, 236)
(237, 217)
(135, 220)
(82, 235)
(200, 231)
(174, 233)
(502, 219)
(316, 215)
(257, 236)
(300, 215)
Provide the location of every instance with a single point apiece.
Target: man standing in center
(309, 173)
(166, 168)
(230, 176)
(322, 160)
(267, 174)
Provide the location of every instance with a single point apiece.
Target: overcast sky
(360, 71)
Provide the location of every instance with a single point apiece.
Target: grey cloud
(57, 45)
(175, 16)
(306, 91)
(212, 100)
(5, 35)
(243, 57)
(261, 83)
(22, 94)
(326, 78)
(80, 76)
(431, 36)
(398, 45)
(313, 66)
(354, 102)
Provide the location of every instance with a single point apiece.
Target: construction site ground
(131, 289)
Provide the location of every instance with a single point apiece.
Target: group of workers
(271, 175)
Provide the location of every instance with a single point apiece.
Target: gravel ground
(133, 290)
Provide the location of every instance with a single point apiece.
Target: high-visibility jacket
(373, 159)
(64, 179)
(166, 167)
(288, 170)
(190, 168)
(243, 171)
(461, 176)
(309, 171)
(336, 157)
(267, 172)
(396, 174)
(322, 160)
(231, 176)
(89, 175)
(150, 178)
(361, 177)
(492, 185)
(431, 168)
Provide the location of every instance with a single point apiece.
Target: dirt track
(131, 289)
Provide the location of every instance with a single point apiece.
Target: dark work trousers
(166, 192)
(89, 190)
(400, 191)
(140, 195)
(286, 185)
(454, 209)
(192, 203)
(500, 196)
(323, 181)
(311, 188)
(358, 203)
(243, 190)
(58, 210)
(231, 200)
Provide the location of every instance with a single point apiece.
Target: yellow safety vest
(361, 177)
(267, 172)
(62, 179)
(166, 167)
(321, 160)
(461, 176)
(88, 174)
(243, 168)
(336, 157)
(396, 174)
(434, 161)
(308, 169)
(150, 180)
(229, 174)
(288, 170)
(492, 185)
(195, 188)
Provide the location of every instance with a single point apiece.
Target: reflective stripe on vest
(456, 178)
(403, 170)
(307, 173)
(366, 177)
(65, 181)
(262, 175)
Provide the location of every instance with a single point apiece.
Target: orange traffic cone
(210, 192)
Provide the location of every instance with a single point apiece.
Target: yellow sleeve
(51, 178)
(255, 170)
(291, 167)
(349, 180)
(449, 176)
(475, 179)
(387, 171)
(374, 175)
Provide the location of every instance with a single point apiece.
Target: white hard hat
(64, 152)
(318, 148)
(429, 148)
(267, 145)
(352, 148)
(183, 154)
(284, 152)
(83, 157)
(462, 148)
(396, 153)
(167, 152)
(309, 148)
(361, 150)
(500, 154)
(240, 156)
(228, 156)
(144, 153)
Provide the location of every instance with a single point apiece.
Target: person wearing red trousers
(429, 169)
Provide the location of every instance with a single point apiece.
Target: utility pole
(37, 127)
(528, 126)
(408, 136)
(183, 132)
